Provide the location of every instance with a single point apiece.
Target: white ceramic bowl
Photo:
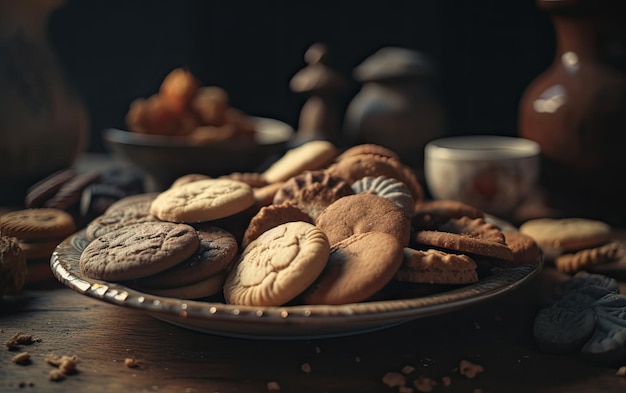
(493, 173)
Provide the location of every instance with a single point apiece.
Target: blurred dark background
(486, 52)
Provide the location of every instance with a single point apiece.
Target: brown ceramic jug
(576, 110)
(43, 122)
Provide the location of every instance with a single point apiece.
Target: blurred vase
(43, 122)
(397, 105)
(576, 109)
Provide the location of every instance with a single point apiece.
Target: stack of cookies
(37, 232)
(319, 226)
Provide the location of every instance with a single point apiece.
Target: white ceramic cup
(493, 173)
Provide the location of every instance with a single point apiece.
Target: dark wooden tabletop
(496, 335)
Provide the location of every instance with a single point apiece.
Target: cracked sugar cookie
(202, 200)
(278, 266)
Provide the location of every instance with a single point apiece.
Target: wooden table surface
(496, 335)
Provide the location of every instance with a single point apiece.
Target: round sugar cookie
(556, 236)
(37, 223)
(357, 268)
(202, 200)
(360, 213)
(138, 250)
(217, 249)
(278, 265)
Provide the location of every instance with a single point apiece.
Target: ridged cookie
(392, 189)
(436, 267)
(277, 266)
(37, 223)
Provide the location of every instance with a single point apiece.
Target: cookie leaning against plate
(357, 268)
(37, 223)
(202, 200)
(277, 266)
(138, 250)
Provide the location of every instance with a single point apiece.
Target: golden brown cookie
(138, 250)
(12, 266)
(40, 223)
(312, 191)
(310, 156)
(218, 248)
(361, 213)
(436, 267)
(556, 236)
(465, 235)
(392, 189)
(202, 200)
(524, 248)
(272, 216)
(587, 258)
(278, 265)
(358, 267)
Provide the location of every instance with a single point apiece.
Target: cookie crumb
(405, 389)
(22, 358)
(18, 339)
(56, 375)
(446, 381)
(393, 379)
(66, 364)
(306, 367)
(408, 369)
(131, 363)
(469, 369)
(424, 384)
(621, 372)
(273, 385)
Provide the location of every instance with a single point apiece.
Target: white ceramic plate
(289, 322)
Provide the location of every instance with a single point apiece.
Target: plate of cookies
(322, 243)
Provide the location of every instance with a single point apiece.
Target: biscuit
(524, 248)
(40, 192)
(431, 213)
(119, 218)
(309, 156)
(361, 213)
(13, 268)
(217, 249)
(392, 189)
(312, 191)
(272, 216)
(188, 178)
(436, 267)
(556, 236)
(206, 287)
(202, 200)
(277, 266)
(368, 148)
(37, 223)
(465, 235)
(358, 267)
(138, 250)
(587, 258)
